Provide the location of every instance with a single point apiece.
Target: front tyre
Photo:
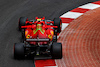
(22, 22)
(19, 52)
(56, 50)
(58, 23)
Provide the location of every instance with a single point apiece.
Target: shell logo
(26, 34)
(50, 36)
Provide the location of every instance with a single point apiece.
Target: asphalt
(11, 10)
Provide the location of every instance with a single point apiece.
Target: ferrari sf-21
(39, 38)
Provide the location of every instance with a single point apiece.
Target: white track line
(90, 6)
(72, 15)
(64, 25)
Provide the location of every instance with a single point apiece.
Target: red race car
(39, 38)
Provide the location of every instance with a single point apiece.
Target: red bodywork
(39, 29)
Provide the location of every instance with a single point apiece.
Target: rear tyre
(19, 52)
(56, 50)
(58, 22)
(22, 22)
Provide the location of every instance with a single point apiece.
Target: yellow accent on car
(28, 36)
(38, 19)
(50, 36)
(26, 32)
(52, 32)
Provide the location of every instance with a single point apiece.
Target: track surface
(81, 41)
(10, 11)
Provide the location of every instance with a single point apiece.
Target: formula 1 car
(39, 39)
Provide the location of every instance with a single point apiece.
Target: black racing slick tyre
(56, 50)
(22, 22)
(19, 52)
(58, 22)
